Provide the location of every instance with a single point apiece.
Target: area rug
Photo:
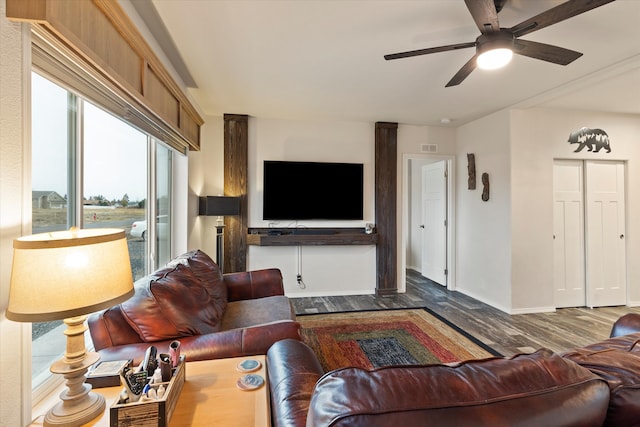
(371, 339)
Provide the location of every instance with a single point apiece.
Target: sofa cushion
(205, 269)
(539, 389)
(250, 312)
(171, 303)
(617, 360)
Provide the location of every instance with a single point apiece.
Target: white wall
(326, 270)
(15, 210)
(331, 270)
(538, 137)
(206, 178)
(505, 245)
(503, 249)
(483, 229)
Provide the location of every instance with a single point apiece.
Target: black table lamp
(219, 206)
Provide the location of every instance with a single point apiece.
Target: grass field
(49, 217)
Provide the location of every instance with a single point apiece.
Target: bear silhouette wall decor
(594, 139)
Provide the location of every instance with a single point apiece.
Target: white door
(605, 234)
(434, 216)
(568, 234)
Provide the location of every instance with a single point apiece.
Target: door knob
(421, 225)
(622, 236)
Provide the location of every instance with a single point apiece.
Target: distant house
(47, 200)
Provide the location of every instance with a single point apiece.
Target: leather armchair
(212, 315)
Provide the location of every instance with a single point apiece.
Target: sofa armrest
(627, 324)
(254, 284)
(293, 371)
(248, 341)
(109, 328)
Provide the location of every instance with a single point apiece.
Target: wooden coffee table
(209, 397)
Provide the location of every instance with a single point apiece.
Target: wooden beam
(236, 143)
(386, 148)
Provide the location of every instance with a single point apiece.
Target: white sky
(115, 152)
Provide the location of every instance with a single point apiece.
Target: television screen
(312, 190)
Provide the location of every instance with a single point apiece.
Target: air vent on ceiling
(429, 148)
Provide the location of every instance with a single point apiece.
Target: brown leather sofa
(598, 385)
(212, 315)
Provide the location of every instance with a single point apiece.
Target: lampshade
(219, 205)
(69, 273)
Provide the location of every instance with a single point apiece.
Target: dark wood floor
(508, 334)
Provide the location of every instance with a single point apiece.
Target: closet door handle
(622, 236)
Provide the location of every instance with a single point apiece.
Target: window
(92, 169)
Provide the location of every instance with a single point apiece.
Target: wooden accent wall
(386, 148)
(102, 34)
(236, 142)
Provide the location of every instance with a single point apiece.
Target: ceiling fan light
(494, 58)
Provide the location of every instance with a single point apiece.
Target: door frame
(404, 217)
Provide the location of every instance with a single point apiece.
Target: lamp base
(73, 414)
(78, 404)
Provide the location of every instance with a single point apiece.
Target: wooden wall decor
(236, 142)
(386, 148)
(485, 185)
(471, 170)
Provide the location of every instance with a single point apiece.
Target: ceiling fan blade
(499, 4)
(419, 52)
(485, 14)
(463, 72)
(545, 52)
(556, 14)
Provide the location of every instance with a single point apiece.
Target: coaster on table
(249, 365)
(250, 382)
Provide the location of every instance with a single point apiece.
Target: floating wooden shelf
(310, 237)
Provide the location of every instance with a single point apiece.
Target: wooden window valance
(98, 39)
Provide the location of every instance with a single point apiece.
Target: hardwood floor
(508, 334)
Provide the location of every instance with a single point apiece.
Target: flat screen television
(312, 190)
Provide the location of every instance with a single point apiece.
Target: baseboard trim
(527, 310)
(482, 300)
(533, 310)
(326, 294)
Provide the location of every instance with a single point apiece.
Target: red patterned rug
(370, 339)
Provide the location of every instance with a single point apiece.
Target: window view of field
(85, 159)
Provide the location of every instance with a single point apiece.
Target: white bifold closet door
(589, 233)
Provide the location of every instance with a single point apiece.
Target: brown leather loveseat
(213, 315)
(598, 385)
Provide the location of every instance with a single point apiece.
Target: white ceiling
(323, 59)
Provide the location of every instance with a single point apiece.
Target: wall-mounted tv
(312, 190)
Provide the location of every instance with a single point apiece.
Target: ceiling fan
(495, 40)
